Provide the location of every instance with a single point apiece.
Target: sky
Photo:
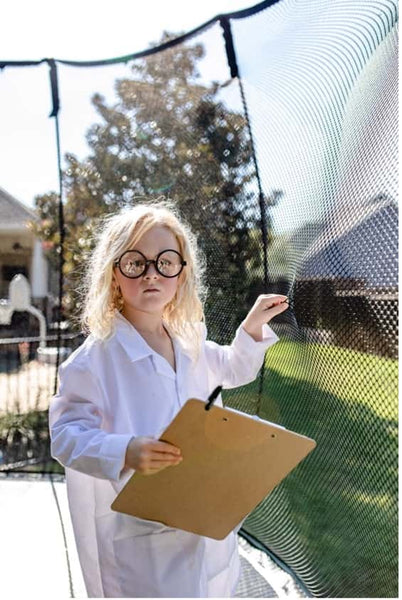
(74, 30)
(91, 30)
(88, 30)
(292, 88)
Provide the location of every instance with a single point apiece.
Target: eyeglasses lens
(169, 264)
(133, 264)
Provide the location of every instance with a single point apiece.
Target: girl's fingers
(280, 305)
(279, 297)
(165, 448)
(155, 461)
(158, 465)
(269, 301)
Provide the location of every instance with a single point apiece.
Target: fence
(26, 386)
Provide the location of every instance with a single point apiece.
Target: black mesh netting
(285, 165)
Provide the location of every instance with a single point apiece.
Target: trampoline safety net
(274, 130)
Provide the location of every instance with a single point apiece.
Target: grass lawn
(334, 518)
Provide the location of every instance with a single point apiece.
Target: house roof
(361, 244)
(13, 213)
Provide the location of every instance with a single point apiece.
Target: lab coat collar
(137, 348)
(132, 342)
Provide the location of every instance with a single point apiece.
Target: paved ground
(35, 556)
(38, 557)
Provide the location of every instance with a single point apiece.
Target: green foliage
(167, 133)
(24, 436)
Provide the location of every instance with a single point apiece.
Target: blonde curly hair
(117, 234)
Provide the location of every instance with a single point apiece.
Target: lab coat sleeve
(75, 421)
(239, 363)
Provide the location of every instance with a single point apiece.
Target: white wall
(39, 272)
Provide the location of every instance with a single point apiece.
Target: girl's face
(151, 292)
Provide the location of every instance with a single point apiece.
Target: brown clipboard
(231, 462)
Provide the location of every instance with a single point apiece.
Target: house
(21, 251)
(350, 275)
(343, 274)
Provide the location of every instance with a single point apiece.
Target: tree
(167, 133)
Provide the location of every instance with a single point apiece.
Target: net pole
(261, 198)
(264, 228)
(234, 72)
(55, 113)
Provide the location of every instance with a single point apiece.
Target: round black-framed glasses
(133, 263)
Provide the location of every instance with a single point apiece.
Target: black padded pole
(234, 72)
(55, 113)
(230, 51)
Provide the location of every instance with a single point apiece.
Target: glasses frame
(149, 262)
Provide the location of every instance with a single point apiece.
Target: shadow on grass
(333, 520)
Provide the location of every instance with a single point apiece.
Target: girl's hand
(148, 456)
(265, 308)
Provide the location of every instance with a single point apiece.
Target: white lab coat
(114, 390)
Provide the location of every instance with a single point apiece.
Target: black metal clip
(213, 397)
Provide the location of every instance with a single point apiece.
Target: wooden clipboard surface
(231, 462)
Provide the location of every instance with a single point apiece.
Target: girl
(145, 356)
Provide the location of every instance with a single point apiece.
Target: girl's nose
(151, 271)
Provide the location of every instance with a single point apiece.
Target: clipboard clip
(213, 397)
